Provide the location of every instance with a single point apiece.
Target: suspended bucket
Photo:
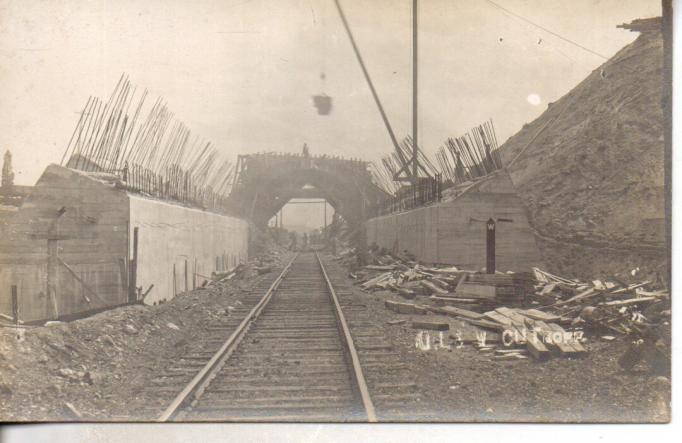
(323, 104)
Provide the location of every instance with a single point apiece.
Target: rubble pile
(273, 258)
(535, 314)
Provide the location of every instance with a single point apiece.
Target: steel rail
(358, 376)
(200, 381)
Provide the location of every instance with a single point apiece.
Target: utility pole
(667, 104)
(415, 78)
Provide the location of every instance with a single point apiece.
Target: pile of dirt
(591, 168)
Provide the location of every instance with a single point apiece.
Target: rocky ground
(101, 367)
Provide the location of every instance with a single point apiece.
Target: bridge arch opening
(266, 182)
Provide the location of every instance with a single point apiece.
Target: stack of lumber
(489, 290)
(540, 333)
(510, 289)
(444, 284)
(535, 301)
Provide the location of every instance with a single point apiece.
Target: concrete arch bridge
(265, 182)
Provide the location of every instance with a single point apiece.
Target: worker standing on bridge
(304, 243)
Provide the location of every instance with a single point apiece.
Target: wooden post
(667, 105)
(15, 305)
(132, 285)
(175, 291)
(52, 275)
(490, 247)
(186, 278)
(194, 274)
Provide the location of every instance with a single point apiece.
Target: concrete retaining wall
(84, 222)
(171, 236)
(454, 232)
(68, 248)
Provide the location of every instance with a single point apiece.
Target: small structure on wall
(11, 195)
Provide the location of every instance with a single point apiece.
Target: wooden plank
(574, 344)
(432, 287)
(518, 319)
(537, 349)
(545, 331)
(583, 295)
(548, 288)
(380, 267)
(660, 293)
(538, 315)
(431, 324)
(475, 290)
(440, 283)
(630, 301)
(404, 308)
(373, 281)
(406, 293)
(452, 301)
(483, 323)
(454, 312)
(629, 288)
(498, 318)
(450, 270)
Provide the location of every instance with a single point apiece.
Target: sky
(242, 73)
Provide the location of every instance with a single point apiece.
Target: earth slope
(590, 168)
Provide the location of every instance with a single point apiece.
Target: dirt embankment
(103, 367)
(591, 168)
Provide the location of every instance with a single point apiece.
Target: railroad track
(291, 358)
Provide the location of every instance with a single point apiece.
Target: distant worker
(305, 241)
(306, 159)
(292, 245)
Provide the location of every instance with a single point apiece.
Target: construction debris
(534, 313)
